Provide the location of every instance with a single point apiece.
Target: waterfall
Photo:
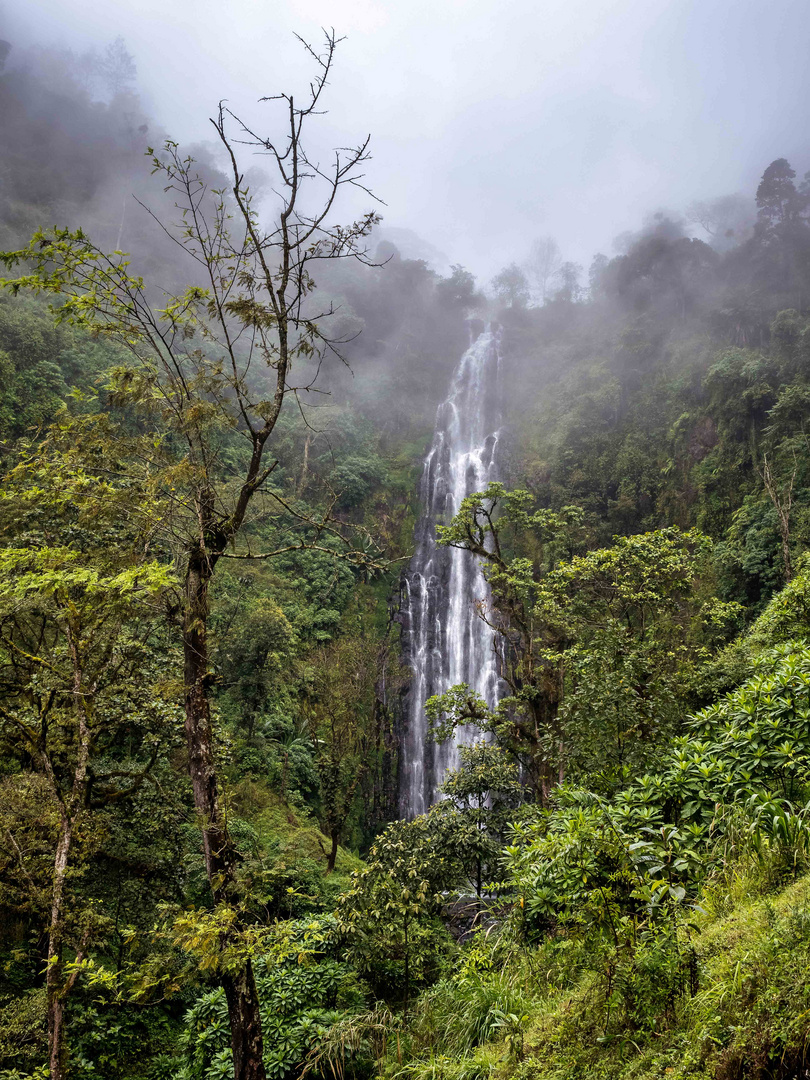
(445, 642)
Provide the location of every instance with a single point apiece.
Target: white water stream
(445, 640)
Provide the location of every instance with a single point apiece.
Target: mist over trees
(211, 438)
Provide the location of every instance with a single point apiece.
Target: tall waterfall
(445, 641)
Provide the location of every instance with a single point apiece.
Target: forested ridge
(214, 411)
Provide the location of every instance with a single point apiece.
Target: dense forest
(216, 399)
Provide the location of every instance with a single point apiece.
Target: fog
(492, 124)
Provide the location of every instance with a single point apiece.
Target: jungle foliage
(615, 883)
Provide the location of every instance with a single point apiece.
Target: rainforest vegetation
(213, 413)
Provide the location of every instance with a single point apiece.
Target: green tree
(341, 711)
(215, 366)
(603, 651)
(640, 621)
(781, 235)
(388, 916)
(569, 290)
(778, 201)
(481, 796)
(79, 630)
(457, 291)
(511, 286)
(491, 524)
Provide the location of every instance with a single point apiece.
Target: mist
(490, 125)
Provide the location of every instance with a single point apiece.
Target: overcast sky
(492, 122)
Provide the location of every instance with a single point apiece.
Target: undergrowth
(542, 1013)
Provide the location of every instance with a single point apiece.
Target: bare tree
(221, 358)
(728, 220)
(542, 265)
(781, 495)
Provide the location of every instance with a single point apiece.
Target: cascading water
(445, 641)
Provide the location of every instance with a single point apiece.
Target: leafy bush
(299, 997)
(618, 873)
(355, 478)
(655, 839)
(23, 1033)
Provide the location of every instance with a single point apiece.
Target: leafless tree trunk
(305, 464)
(783, 504)
(543, 265)
(280, 271)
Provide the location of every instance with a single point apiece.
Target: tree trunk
(330, 866)
(304, 465)
(784, 530)
(782, 504)
(220, 856)
(246, 1030)
(69, 810)
(53, 971)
